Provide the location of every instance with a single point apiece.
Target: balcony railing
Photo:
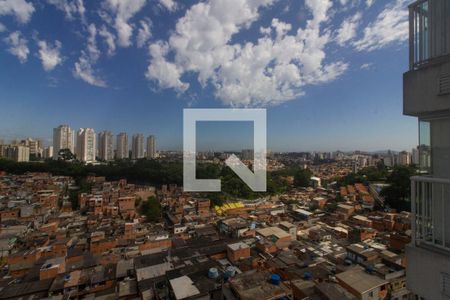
(419, 33)
(430, 201)
(429, 39)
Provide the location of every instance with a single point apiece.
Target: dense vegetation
(157, 173)
(151, 209)
(144, 171)
(397, 193)
(365, 175)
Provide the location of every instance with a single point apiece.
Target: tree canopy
(151, 208)
(397, 194)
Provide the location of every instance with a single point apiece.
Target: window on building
(421, 32)
(425, 146)
(446, 284)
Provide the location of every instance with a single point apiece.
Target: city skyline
(347, 96)
(104, 150)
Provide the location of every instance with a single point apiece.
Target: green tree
(331, 206)
(302, 178)
(151, 209)
(66, 155)
(398, 193)
(217, 199)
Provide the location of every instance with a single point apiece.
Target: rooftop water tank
(275, 279)
(213, 273)
(230, 271)
(307, 276)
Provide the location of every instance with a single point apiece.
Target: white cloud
(269, 71)
(92, 49)
(18, 46)
(50, 55)
(167, 74)
(348, 29)
(109, 38)
(2, 27)
(369, 3)
(124, 10)
(170, 5)
(281, 28)
(391, 26)
(144, 33)
(70, 7)
(21, 9)
(366, 66)
(83, 70)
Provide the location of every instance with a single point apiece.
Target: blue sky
(328, 71)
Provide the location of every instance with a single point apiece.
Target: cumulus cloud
(71, 8)
(144, 33)
(123, 11)
(2, 27)
(170, 5)
(50, 55)
(165, 73)
(92, 49)
(272, 70)
(366, 66)
(18, 46)
(348, 29)
(83, 68)
(109, 39)
(369, 3)
(21, 9)
(390, 27)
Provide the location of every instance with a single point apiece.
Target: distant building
(151, 147)
(48, 152)
(17, 153)
(388, 161)
(63, 138)
(363, 285)
(315, 182)
(415, 157)
(247, 154)
(86, 145)
(105, 146)
(36, 148)
(122, 146)
(137, 146)
(404, 158)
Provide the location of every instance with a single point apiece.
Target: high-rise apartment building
(17, 153)
(36, 147)
(122, 146)
(86, 145)
(247, 154)
(48, 152)
(427, 96)
(105, 146)
(63, 138)
(137, 146)
(404, 158)
(415, 158)
(151, 147)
